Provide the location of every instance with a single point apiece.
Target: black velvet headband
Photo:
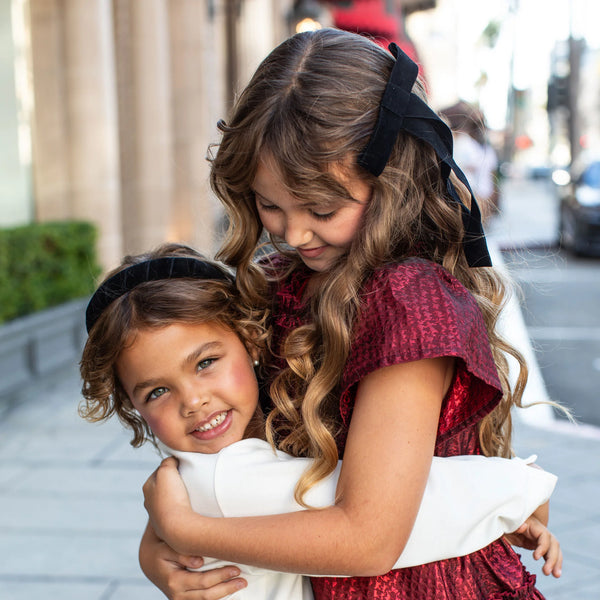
(401, 110)
(170, 267)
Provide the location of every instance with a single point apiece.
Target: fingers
(191, 562)
(522, 528)
(550, 549)
(542, 546)
(210, 585)
(166, 464)
(534, 535)
(170, 463)
(180, 561)
(215, 584)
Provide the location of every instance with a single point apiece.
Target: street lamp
(306, 15)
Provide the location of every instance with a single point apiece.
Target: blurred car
(539, 172)
(579, 219)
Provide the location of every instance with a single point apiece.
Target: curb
(35, 347)
(512, 327)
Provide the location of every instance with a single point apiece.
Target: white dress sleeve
(473, 500)
(200, 472)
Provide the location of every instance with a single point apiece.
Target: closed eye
(263, 206)
(323, 216)
(262, 203)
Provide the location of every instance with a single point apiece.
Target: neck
(314, 284)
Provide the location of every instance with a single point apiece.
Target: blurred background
(108, 107)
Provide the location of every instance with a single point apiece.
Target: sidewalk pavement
(71, 512)
(71, 505)
(528, 218)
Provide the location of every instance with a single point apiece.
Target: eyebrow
(303, 203)
(259, 195)
(191, 358)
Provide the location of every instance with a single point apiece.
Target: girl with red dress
(384, 307)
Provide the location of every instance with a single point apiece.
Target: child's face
(193, 384)
(320, 235)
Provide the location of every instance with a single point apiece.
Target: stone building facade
(124, 100)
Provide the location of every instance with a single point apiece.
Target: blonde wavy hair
(153, 305)
(311, 107)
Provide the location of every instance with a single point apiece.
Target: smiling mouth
(214, 422)
(311, 252)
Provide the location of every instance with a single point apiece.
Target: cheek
(156, 420)
(244, 381)
(356, 223)
(344, 233)
(270, 222)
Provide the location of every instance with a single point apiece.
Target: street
(560, 305)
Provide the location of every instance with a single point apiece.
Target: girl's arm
(388, 455)
(508, 491)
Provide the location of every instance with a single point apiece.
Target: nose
(192, 400)
(297, 232)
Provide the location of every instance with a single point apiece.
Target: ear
(253, 353)
(252, 349)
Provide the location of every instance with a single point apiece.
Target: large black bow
(401, 110)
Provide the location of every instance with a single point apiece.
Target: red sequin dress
(412, 311)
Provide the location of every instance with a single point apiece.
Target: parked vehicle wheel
(567, 230)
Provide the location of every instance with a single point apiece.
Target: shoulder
(242, 452)
(416, 310)
(417, 287)
(411, 269)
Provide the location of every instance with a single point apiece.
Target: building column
(194, 123)
(74, 124)
(252, 49)
(15, 153)
(49, 119)
(145, 122)
(92, 120)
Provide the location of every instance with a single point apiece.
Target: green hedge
(45, 264)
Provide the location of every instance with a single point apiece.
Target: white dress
(473, 500)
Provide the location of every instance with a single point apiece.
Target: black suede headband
(170, 267)
(401, 110)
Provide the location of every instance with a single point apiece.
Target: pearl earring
(256, 363)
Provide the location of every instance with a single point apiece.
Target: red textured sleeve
(417, 310)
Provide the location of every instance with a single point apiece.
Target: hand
(534, 535)
(167, 503)
(168, 571)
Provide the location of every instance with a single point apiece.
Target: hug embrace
(381, 384)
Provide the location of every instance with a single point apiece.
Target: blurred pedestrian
(474, 154)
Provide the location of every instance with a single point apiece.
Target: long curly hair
(311, 107)
(153, 305)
